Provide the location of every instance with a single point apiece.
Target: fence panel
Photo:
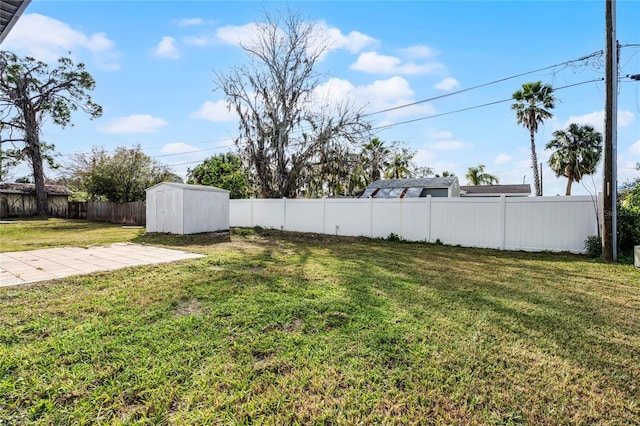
(241, 213)
(466, 221)
(350, 217)
(124, 213)
(269, 213)
(549, 223)
(532, 223)
(386, 218)
(305, 216)
(415, 219)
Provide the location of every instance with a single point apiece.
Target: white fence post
(429, 218)
(503, 221)
(284, 213)
(324, 215)
(370, 217)
(401, 221)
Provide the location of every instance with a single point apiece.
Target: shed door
(160, 211)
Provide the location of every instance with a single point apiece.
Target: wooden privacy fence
(125, 213)
(518, 223)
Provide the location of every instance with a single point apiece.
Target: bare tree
(30, 92)
(284, 125)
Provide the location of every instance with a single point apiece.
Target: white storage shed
(179, 208)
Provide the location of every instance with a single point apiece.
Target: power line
(583, 58)
(388, 126)
(473, 107)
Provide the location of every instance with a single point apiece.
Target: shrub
(394, 237)
(593, 246)
(628, 229)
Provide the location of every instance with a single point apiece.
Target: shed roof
(439, 182)
(30, 188)
(188, 187)
(518, 189)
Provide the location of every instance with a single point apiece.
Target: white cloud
(335, 90)
(524, 164)
(423, 157)
(447, 84)
(215, 111)
(179, 148)
(438, 134)
(634, 149)
(48, 39)
(419, 52)
(377, 96)
(167, 48)
(354, 42)
(236, 35)
(178, 153)
(391, 89)
(335, 39)
(136, 123)
(374, 63)
(502, 158)
(189, 22)
(596, 119)
(451, 145)
(625, 118)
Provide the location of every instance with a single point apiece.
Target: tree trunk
(534, 165)
(35, 154)
(569, 182)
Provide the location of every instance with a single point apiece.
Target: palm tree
(375, 155)
(400, 165)
(476, 176)
(577, 152)
(532, 106)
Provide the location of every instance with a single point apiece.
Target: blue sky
(153, 62)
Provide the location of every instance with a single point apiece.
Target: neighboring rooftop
(30, 188)
(412, 188)
(444, 182)
(521, 190)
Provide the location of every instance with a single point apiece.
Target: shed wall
(181, 209)
(205, 211)
(165, 210)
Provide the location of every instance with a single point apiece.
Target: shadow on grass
(560, 303)
(173, 240)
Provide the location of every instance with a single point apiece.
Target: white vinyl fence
(507, 223)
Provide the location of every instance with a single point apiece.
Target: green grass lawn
(20, 234)
(275, 328)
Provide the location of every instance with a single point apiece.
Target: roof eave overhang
(16, 15)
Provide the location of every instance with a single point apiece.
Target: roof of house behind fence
(438, 182)
(517, 189)
(30, 188)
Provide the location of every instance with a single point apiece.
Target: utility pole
(609, 181)
(541, 187)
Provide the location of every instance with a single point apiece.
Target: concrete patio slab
(25, 267)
